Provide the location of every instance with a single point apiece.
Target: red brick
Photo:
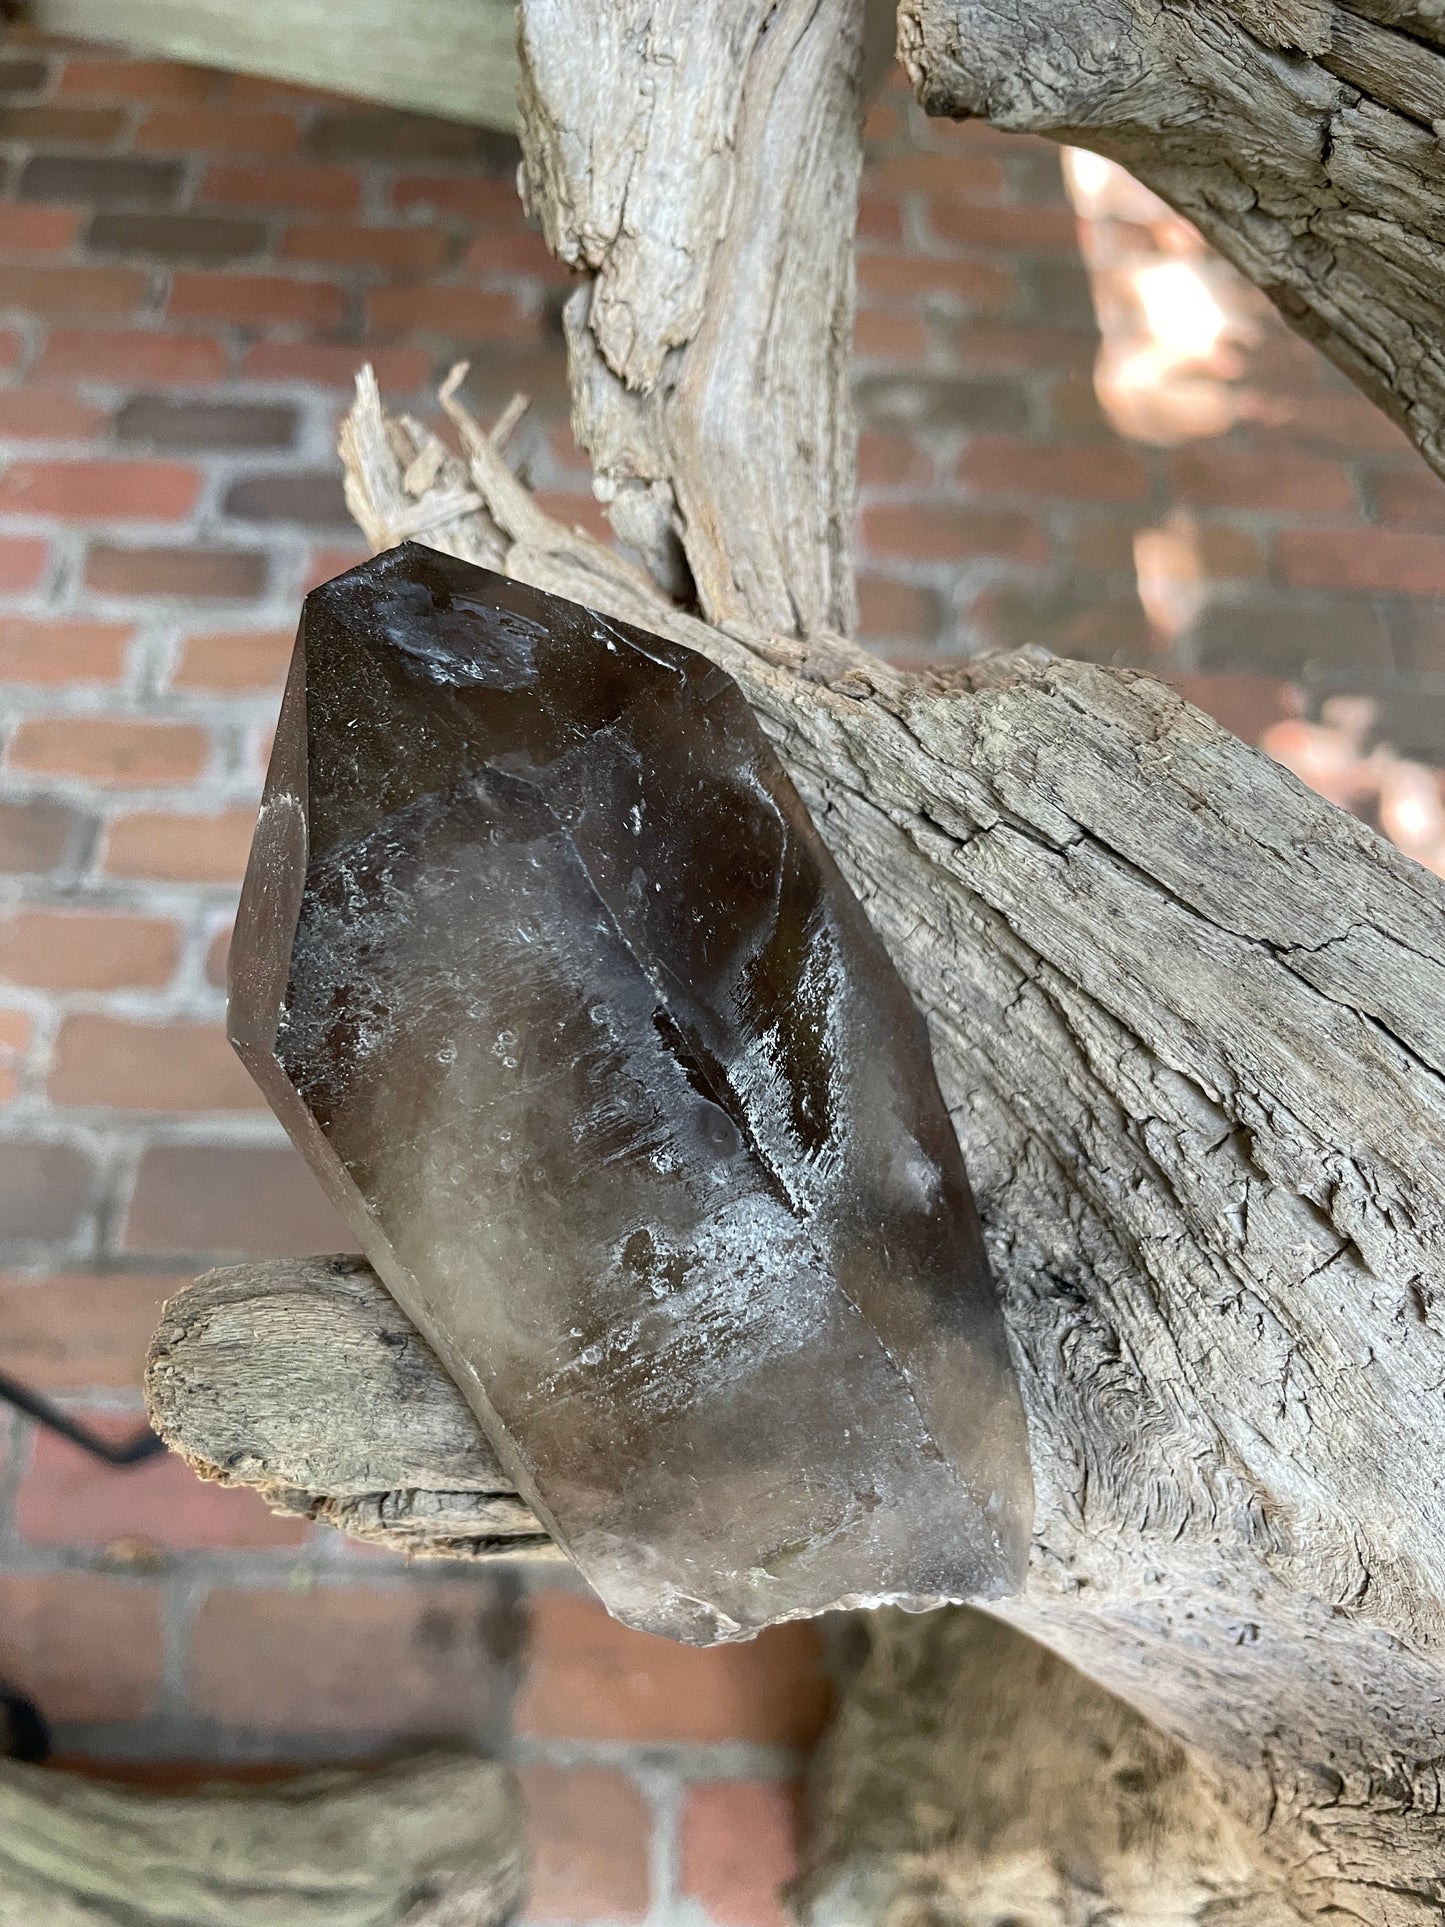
(889, 337)
(1030, 230)
(575, 510)
(997, 344)
(86, 950)
(256, 299)
(47, 415)
(901, 279)
(399, 370)
(880, 220)
(589, 1831)
(35, 649)
(1003, 467)
(1213, 478)
(930, 531)
(73, 290)
(110, 751)
(392, 248)
(1247, 705)
(209, 1201)
(143, 80)
(99, 491)
(246, 659)
(470, 197)
(319, 190)
(194, 574)
(1410, 495)
(1382, 561)
(592, 1679)
(467, 314)
(66, 126)
(944, 177)
(1227, 551)
(16, 1031)
(11, 348)
(120, 1065)
(887, 460)
(328, 562)
(739, 1847)
(884, 122)
(85, 1648)
(1342, 421)
(44, 1189)
(37, 230)
(82, 353)
(70, 1499)
(167, 848)
(24, 563)
(896, 610)
(34, 836)
(260, 90)
(218, 953)
(216, 130)
(348, 1659)
(75, 1331)
(522, 251)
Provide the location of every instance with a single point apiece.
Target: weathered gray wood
(430, 1842)
(1187, 1015)
(1300, 136)
(971, 1777)
(711, 344)
(455, 58)
(302, 1378)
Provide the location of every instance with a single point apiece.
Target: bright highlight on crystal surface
(543, 965)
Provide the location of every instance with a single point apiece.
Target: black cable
(132, 1451)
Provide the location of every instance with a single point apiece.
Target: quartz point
(546, 970)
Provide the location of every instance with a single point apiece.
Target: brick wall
(191, 267)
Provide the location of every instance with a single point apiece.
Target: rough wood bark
(430, 1842)
(972, 1778)
(1302, 137)
(711, 344)
(304, 1379)
(1188, 1018)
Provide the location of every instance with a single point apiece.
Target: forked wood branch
(1302, 137)
(1188, 1018)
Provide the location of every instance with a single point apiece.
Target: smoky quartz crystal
(545, 968)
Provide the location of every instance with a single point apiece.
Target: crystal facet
(544, 966)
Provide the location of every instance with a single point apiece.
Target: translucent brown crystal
(543, 965)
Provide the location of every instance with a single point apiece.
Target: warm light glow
(1405, 798)
(1183, 316)
(1172, 316)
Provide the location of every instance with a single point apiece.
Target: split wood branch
(1303, 138)
(1188, 1020)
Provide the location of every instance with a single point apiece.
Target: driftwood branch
(1188, 1019)
(1187, 1016)
(1303, 138)
(429, 1842)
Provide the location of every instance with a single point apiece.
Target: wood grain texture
(700, 165)
(430, 1842)
(455, 58)
(1188, 1020)
(303, 1378)
(971, 1777)
(1301, 137)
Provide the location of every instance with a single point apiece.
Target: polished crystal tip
(545, 968)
